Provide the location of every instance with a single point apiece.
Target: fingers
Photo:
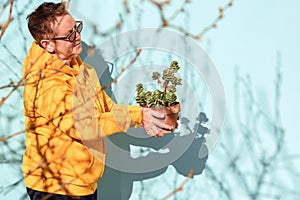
(164, 121)
(151, 129)
(158, 122)
(158, 128)
(161, 124)
(157, 114)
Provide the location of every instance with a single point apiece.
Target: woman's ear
(48, 45)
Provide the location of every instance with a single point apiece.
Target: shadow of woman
(117, 183)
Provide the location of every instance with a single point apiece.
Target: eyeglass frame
(78, 29)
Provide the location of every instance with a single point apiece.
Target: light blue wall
(248, 38)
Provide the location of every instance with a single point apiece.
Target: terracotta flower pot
(171, 117)
(163, 116)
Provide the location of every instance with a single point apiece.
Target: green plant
(164, 97)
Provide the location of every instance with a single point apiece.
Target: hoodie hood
(38, 59)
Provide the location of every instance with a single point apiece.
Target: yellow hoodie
(67, 116)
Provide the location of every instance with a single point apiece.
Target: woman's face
(63, 48)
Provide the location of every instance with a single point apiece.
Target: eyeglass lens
(78, 29)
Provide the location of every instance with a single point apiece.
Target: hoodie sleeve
(117, 117)
(55, 104)
(84, 113)
(94, 103)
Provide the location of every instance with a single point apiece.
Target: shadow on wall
(116, 183)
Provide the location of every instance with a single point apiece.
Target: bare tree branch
(4, 25)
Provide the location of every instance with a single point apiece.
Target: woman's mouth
(77, 43)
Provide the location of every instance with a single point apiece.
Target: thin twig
(11, 84)
(167, 22)
(15, 87)
(139, 50)
(160, 5)
(4, 25)
(96, 31)
(180, 187)
(10, 136)
(125, 3)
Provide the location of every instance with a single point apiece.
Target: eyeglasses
(71, 36)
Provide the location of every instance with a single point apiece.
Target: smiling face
(63, 49)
